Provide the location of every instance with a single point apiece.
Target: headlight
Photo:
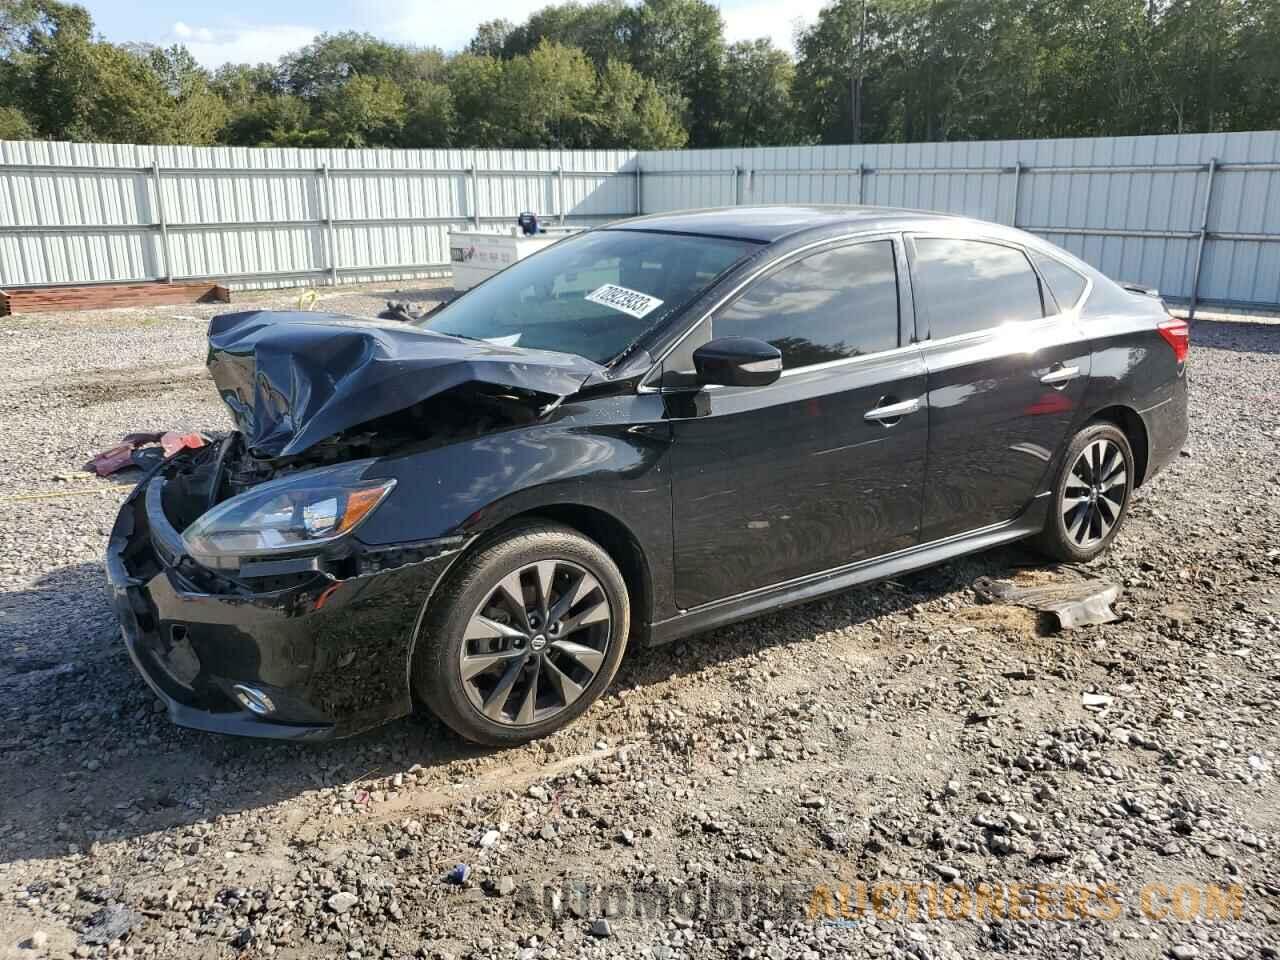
(286, 516)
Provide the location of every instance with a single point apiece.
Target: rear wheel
(524, 636)
(1091, 496)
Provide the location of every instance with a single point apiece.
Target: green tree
(475, 83)
(25, 25)
(656, 73)
(491, 38)
(198, 113)
(1200, 63)
(95, 91)
(926, 70)
(631, 112)
(362, 112)
(828, 61)
(278, 119)
(546, 98)
(599, 29)
(319, 68)
(260, 114)
(430, 117)
(755, 104)
(32, 32)
(680, 45)
(239, 84)
(1258, 97)
(1097, 70)
(14, 125)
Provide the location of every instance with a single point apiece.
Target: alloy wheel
(536, 642)
(1095, 493)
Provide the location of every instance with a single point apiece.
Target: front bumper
(329, 657)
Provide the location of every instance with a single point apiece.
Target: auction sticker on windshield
(631, 302)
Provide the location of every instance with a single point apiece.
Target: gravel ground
(925, 750)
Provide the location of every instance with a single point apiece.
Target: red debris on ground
(124, 454)
(172, 442)
(109, 461)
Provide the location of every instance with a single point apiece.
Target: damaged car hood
(293, 379)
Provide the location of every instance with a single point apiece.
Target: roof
(769, 222)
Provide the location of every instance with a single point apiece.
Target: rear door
(1007, 369)
(773, 483)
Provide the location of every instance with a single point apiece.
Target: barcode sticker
(631, 302)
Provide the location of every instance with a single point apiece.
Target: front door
(823, 467)
(1005, 380)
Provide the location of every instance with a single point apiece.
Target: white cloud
(451, 25)
(777, 21)
(447, 24)
(257, 43)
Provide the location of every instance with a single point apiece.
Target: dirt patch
(895, 734)
(113, 385)
(999, 618)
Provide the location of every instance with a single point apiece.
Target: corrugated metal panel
(1132, 206)
(76, 213)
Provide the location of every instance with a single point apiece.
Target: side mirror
(737, 362)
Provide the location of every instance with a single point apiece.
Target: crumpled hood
(295, 378)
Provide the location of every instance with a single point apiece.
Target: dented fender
(608, 454)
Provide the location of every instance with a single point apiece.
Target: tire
(1084, 518)
(572, 655)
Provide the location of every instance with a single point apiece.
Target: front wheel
(1091, 495)
(524, 636)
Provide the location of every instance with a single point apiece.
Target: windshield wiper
(460, 336)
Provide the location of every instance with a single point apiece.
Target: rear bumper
(1166, 424)
(327, 658)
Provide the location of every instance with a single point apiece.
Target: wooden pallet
(101, 295)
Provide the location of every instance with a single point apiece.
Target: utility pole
(855, 80)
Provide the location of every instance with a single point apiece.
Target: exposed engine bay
(200, 479)
(295, 381)
(312, 392)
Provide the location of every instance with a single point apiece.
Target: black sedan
(640, 433)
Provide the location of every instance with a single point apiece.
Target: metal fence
(90, 213)
(1197, 216)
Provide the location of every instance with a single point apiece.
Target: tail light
(1176, 333)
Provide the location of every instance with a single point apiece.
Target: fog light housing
(254, 700)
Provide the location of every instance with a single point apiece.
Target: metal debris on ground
(110, 923)
(404, 311)
(407, 311)
(1075, 604)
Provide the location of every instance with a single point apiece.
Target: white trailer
(477, 255)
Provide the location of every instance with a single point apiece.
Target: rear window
(1065, 284)
(970, 285)
(592, 295)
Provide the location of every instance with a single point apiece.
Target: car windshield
(592, 295)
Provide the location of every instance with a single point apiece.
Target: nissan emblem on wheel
(636, 434)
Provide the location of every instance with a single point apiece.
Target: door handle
(1060, 375)
(893, 411)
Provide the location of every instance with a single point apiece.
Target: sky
(248, 31)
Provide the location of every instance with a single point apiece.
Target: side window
(831, 305)
(969, 285)
(1065, 284)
